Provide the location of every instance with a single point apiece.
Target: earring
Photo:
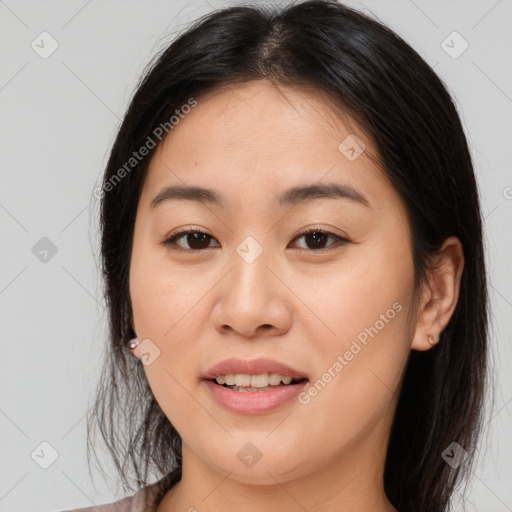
(431, 339)
(132, 344)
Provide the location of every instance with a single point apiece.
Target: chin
(266, 465)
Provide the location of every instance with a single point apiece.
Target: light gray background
(58, 119)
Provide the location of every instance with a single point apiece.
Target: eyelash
(340, 241)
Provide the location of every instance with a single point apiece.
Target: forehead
(260, 138)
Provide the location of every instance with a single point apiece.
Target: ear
(439, 297)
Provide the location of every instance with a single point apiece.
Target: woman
(292, 252)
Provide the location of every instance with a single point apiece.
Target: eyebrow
(295, 195)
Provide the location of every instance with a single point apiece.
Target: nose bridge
(250, 278)
(252, 296)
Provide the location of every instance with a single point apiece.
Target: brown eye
(316, 239)
(195, 239)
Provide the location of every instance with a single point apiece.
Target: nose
(253, 299)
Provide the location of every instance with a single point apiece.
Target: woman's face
(339, 313)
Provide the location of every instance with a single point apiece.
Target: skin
(294, 303)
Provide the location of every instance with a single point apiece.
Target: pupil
(197, 238)
(318, 238)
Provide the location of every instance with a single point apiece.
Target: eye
(316, 238)
(197, 240)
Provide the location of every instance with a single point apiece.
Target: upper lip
(233, 366)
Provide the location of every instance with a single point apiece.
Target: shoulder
(144, 500)
(122, 505)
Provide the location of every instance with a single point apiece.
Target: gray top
(145, 499)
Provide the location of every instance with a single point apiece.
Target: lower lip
(254, 402)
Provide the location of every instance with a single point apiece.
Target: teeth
(259, 381)
(242, 379)
(256, 381)
(274, 379)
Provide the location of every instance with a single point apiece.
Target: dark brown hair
(392, 94)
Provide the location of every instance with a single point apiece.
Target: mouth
(253, 386)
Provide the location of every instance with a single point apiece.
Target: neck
(351, 482)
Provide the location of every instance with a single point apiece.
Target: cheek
(167, 310)
(357, 376)
(360, 356)
(161, 297)
(163, 310)
(362, 296)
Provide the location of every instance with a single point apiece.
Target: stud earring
(431, 339)
(132, 344)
